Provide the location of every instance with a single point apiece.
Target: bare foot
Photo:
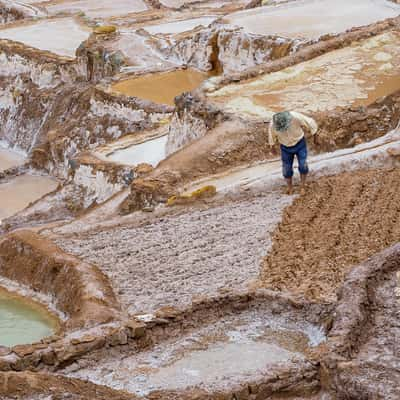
(302, 191)
(289, 191)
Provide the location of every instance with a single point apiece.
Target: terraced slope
(341, 221)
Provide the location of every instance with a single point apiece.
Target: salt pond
(149, 152)
(311, 19)
(61, 36)
(179, 26)
(22, 321)
(161, 87)
(18, 192)
(356, 75)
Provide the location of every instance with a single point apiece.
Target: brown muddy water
(23, 321)
(161, 87)
(20, 191)
(10, 159)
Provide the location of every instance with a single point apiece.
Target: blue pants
(287, 153)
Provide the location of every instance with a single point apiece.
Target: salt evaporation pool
(20, 191)
(161, 87)
(61, 36)
(150, 152)
(98, 8)
(22, 321)
(311, 19)
(179, 26)
(356, 75)
(238, 348)
(10, 158)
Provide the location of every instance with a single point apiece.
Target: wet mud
(339, 222)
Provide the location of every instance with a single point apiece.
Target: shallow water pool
(22, 321)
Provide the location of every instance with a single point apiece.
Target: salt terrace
(148, 249)
(357, 75)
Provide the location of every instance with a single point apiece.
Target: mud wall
(225, 50)
(81, 291)
(93, 118)
(191, 120)
(99, 179)
(11, 11)
(34, 386)
(358, 310)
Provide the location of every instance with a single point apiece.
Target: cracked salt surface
(237, 348)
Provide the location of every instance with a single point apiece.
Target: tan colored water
(10, 159)
(23, 321)
(20, 191)
(162, 87)
(355, 75)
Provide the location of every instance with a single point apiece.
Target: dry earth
(341, 221)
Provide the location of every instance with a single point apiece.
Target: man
(288, 127)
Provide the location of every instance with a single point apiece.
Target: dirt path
(341, 221)
(171, 260)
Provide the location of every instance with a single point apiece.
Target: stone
(104, 30)
(136, 329)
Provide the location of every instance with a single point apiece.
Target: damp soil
(375, 369)
(338, 223)
(161, 87)
(23, 321)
